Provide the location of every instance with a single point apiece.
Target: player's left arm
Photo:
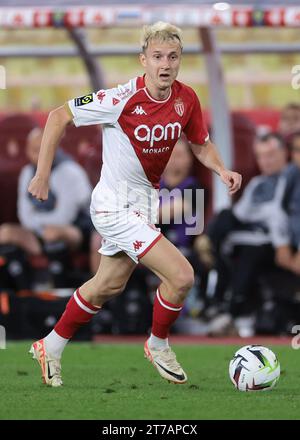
(209, 156)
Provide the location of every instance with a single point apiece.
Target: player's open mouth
(164, 76)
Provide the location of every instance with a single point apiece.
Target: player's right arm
(102, 107)
(57, 121)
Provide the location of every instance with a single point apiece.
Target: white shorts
(127, 231)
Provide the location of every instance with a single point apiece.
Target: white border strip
(82, 306)
(165, 306)
(155, 100)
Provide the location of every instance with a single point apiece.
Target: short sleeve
(102, 107)
(195, 130)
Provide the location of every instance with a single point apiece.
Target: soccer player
(142, 121)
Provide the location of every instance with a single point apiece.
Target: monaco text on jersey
(155, 150)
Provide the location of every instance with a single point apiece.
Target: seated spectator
(288, 256)
(55, 227)
(241, 240)
(289, 122)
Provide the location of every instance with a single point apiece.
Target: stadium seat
(14, 130)
(85, 146)
(244, 132)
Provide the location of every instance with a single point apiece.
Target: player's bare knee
(105, 292)
(183, 282)
(112, 291)
(5, 232)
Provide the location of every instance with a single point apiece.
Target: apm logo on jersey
(157, 133)
(82, 100)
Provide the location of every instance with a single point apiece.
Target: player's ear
(143, 59)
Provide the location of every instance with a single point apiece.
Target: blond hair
(160, 31)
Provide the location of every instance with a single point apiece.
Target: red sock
(77, 313)
(164, 314)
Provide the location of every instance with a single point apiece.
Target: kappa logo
(101, 95)
(139, 110)
(137, 245)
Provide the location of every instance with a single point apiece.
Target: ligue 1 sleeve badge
(179, 106)
(82, 100)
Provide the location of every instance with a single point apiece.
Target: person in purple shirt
(178, 212)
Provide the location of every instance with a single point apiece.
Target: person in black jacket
(241, 240)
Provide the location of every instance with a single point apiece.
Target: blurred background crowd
(247, 259)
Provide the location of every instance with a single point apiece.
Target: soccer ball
(254, 368)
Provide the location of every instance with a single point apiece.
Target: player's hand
(39, 188)
(232, 179)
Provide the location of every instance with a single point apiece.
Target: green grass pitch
(114, 381)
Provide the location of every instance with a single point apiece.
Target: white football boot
(164, 360)
(51, 367)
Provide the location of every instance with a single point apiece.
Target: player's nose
(165, 63)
